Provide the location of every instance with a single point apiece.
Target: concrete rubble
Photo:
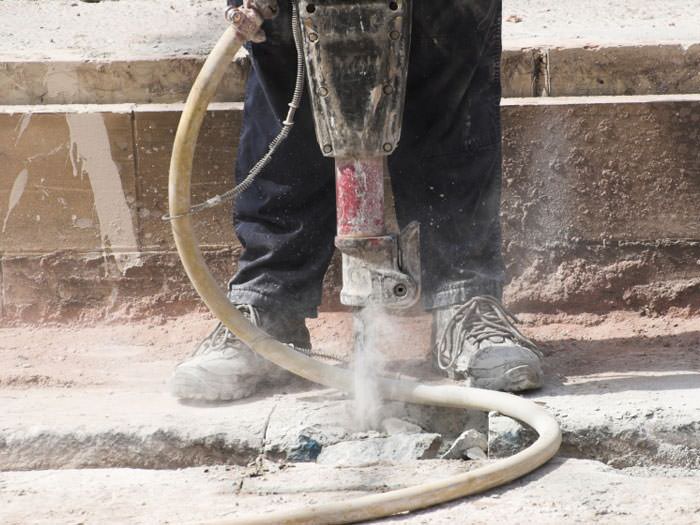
(467, 443)
(507, 436)
(398, 448)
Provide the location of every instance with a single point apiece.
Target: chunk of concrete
(448, 422)
(468, 440)
(306, 450)
(507, 436)
(476, 453)
(394, 425)
(393, 449)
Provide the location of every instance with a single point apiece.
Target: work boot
(223, 368)
(478, 343)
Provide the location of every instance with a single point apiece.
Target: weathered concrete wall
(161, 80)
(601, 202)
(600, 206)
(82, 194)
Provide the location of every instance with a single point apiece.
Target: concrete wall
(600, 193)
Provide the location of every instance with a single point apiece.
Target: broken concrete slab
(329, 418)
(623, 388)
(398, 448)
(150, 429)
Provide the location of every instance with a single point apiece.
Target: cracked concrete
(624, 389)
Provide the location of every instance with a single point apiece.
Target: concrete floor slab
(562, 492)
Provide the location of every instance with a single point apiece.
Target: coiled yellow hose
(368, 507)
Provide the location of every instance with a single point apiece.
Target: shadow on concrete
(670, 362)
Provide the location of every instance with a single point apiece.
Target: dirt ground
(75, 356)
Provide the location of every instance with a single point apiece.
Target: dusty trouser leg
(452, 134)
(286, 220)
(446, 173)
(286, 224)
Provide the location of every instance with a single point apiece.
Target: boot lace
(221, 338)
(480, 319)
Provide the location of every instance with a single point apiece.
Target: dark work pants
(446, 172)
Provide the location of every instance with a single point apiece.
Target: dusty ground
(69, 29)
(80, 356)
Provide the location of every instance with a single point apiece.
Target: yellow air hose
(368, 507)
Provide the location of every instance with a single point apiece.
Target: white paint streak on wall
(23, 125)
(16, 193)
(75, 161)
(92, 155)
(62, 87)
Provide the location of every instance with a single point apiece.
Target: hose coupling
(248, 18)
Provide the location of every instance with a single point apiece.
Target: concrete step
(599, 202)
(542, 71)
(563, 491)
(142, 81)
(145, 52)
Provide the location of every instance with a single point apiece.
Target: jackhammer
(355, 57)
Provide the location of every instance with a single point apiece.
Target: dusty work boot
(223, 368)
(478, 343)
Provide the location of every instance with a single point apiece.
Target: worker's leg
(286, 220)
(286, 224)
(446, 172)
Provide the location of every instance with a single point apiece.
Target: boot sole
(515, 379)
(201, 386)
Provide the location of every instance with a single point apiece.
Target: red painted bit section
(360, 196)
